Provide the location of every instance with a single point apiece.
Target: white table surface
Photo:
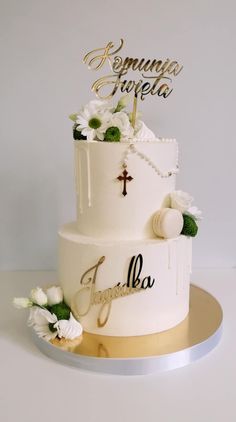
(34, 388)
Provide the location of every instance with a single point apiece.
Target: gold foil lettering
(100, 59)
(88, 278)
(105, 297)
(111, 83)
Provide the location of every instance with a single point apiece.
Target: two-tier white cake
(119, 278)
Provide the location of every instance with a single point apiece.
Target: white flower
(122, 103)
(180, 200)
(99, 106)
(40, 319)
(92, 120)
(69, 329)
(143, 132)
(22, 302)
(38, 296)
(121, 120)
(54, 295)
(195, 213)
(47, 325)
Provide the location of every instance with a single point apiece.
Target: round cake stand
(193, 338)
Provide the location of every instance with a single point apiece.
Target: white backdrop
(43, 81)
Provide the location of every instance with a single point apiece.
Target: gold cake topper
(156, 74)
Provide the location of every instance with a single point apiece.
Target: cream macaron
(167, 223)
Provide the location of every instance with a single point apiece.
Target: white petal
(54, 295)
(195, 213)
(38, 296)
(69, 329)
(43, 331)
(180, 200)
(31, 320)
(100, 135)
(22, 302)
(82, 122)
(91, 135)
(39, 316)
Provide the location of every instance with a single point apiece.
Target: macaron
(167, 223)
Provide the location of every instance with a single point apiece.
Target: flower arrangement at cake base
(50, 317)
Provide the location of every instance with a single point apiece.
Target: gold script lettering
(103, 298)
(98, 61)
(88, 280)
(111, 83)
(87, 293)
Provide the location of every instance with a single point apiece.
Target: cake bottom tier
(125, 288)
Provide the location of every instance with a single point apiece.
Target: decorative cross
(124, 178)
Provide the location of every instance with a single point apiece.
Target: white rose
(99, 106)
(180, 200)
(195, 213)
(38, 296)
(54, 295)
(22, 302)
(69, 329)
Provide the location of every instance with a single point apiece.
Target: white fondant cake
(117, 276)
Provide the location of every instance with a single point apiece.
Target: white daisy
(92, 120)
(43, 322)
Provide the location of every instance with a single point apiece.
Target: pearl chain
(132, 149)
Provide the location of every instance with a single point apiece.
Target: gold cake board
(193, 338)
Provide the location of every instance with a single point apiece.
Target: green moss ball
(190, 227)
(112, 134)
(61, 310)
(77, 135)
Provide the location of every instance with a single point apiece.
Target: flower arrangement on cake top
(50, 316)
(100, 121)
